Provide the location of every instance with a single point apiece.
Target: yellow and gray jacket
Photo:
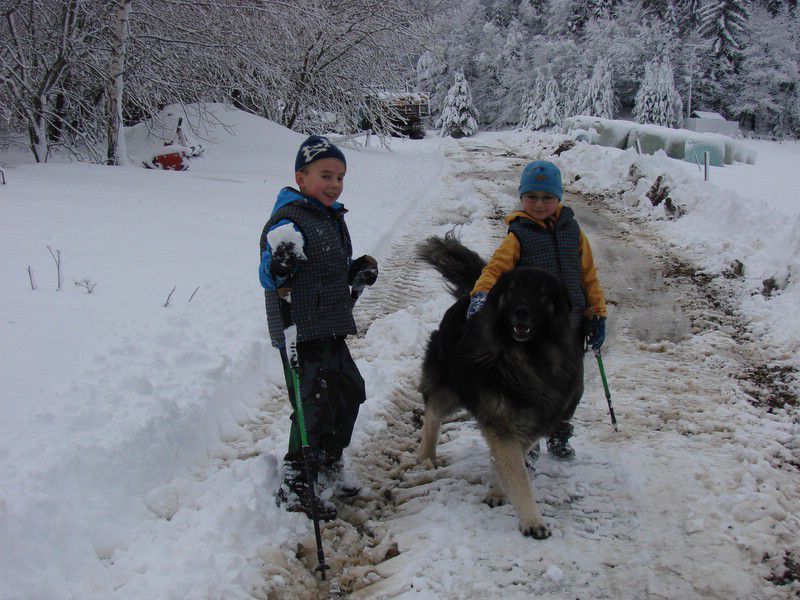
(558, 246)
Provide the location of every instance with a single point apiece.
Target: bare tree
(117, 153)
(44, 45)
(74, 72)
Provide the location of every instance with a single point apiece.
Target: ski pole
(605, 387)
(290, 353)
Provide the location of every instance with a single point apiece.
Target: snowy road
(696, 496)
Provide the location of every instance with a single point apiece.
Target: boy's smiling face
(322, 180)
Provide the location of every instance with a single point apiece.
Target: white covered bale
(676, 143)
(650, 142)
(741, 153)
(730, 149)
(612, 133)
(697, 145)
(590, 136)
(577, 122)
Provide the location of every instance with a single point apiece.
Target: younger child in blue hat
(545, 234)
(310, 286)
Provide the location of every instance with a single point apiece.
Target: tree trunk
(117, 151)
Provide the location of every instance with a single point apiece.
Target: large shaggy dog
(515, 365)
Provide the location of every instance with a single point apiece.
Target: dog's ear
(565, 297)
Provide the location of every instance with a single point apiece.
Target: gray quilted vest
(321, 305)
(557, 251)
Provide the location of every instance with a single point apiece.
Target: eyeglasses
(548, 199)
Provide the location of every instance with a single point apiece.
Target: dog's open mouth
(522, 333)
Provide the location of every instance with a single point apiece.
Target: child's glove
(363, 272)
(595, 329)
(285, 260)
(476, 303)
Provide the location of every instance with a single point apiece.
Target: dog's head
(530, 304)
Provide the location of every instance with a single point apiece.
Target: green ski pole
(605, 387)
(290, 354)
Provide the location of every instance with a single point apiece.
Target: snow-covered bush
(459, 116)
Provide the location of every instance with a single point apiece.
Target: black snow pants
(331, 389)
(564, 430)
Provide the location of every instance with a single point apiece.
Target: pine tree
(671, 20)
(600, 9)
(644, 108)
(767, 87)
(670, 106)
(723, 23)
(688, 14)
(657, 100)
(596, 95)
(657, 8)
(531, 100)
(548, 113)
(459, 116)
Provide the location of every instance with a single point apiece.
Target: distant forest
(72, 72)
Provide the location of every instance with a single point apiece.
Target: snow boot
(293, 494)
(558, 444)
(343, 482)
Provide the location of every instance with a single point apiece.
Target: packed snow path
(696, 496)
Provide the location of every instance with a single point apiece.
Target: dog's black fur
(515, 365)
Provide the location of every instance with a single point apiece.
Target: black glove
(595, 329)
(285, 260)
(363, 271)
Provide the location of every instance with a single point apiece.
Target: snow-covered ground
(139, 442)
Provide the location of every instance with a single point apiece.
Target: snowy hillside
(139, 442)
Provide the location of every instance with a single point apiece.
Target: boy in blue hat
(306, 258)
(545, 234)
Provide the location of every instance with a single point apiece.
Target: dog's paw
(426, 463)
(495, 498)
(537, 530)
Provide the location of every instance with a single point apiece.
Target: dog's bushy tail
(459, 265)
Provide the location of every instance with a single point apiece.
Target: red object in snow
(172, 161)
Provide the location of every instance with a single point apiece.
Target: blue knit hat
(541, 176)
(316, 148)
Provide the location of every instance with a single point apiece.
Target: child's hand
(363, 271)
(596, 331)
(285, 260)
(476, 303)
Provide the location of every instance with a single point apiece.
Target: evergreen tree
(688, 12)
(596, 94)
(722, 23)
(644, 109)
(770, 78)
(459, 116)
(670, 107)
(656, 8)
(657, 100)
(671, 20)
(548, 112)
(600, 9)
(531, 100)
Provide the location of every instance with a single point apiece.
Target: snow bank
(731, 225)
(124, 420)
